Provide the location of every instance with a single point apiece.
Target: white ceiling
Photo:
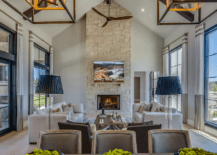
(148, 18)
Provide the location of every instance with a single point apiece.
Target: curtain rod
(175, 40)
(10, 17)
(41, 39)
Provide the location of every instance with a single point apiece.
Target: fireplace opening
(108, 102)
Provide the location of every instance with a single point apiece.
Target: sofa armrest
(55, 119)
(136, 107)
(36, 123)
(160, 118)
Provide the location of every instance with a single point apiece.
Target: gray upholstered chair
(167, 141)
(66, 141)
(103, 141)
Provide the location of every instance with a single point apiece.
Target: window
(8, 103)
(41, 67)
(211, 76)
(153, 86)
(175, 69)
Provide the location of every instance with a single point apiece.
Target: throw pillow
(69, 109)
(143, 123)
(64, 107)
(155, 106)
(148, 107)
(142, 109)
(162, 109)
(69, 105)
(78, 108)
(56, 110)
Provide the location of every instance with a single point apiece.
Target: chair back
(85, 131)
(103, 141)
(168, 141)
(142, 136)
(66, 141)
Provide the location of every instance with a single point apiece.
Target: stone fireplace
(108, 102)
(109, 43)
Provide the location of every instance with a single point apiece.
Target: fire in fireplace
(108, 102)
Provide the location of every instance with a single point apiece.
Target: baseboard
(190, 122)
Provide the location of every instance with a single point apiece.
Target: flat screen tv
(109, 70)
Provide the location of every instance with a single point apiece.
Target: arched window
(153, 85)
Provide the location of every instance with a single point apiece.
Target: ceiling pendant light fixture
(40, 5)
(36, 4)
(54, 2)
(182, 5)
(184, 8)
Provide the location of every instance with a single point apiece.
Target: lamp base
(50, 108)
(169, 112)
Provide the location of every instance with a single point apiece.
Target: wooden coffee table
(108, 123)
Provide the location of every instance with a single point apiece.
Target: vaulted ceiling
(147, 17)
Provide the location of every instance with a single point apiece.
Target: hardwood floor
(16, 143)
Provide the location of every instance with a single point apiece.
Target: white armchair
(37, 123)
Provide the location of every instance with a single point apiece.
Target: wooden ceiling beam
(186, 14)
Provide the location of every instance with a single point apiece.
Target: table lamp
(169, 86)
(49, 84)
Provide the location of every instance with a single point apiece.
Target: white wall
(146, 52)
(69, 58)
(70, 63)
(26, 27)
(144, 85)
(180, 30)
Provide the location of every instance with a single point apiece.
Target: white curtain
(19, 77)
(184, 78)
(31, 72)
(199, 77)
(51, 60)
(164, 99)
(166, 61)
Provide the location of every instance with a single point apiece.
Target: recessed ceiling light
(143, 10)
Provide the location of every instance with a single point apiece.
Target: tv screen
(109, 70)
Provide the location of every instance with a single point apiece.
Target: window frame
(151, 88)
(10, 58)
(45, 67)
(206, 74)
(170, 52)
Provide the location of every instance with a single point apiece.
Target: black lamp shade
(49, 84)
(168, 86)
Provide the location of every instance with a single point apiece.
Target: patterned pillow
(142, 108)
(64, 107)
(69, 105)
(148, 107)
(162, 109)
(56, 110)
(155, 106)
